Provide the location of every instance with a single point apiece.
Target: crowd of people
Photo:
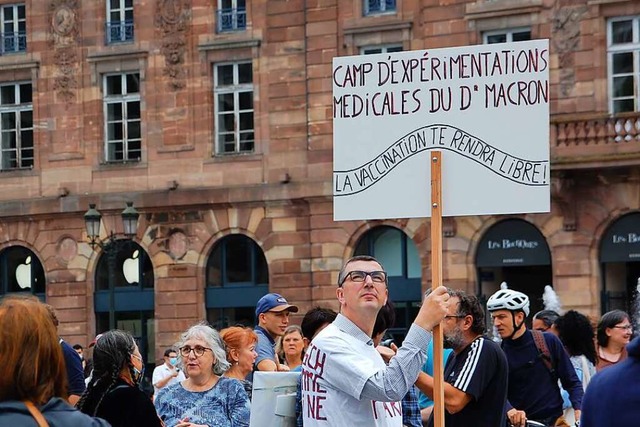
(562, 371)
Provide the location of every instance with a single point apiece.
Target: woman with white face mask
(113, 392)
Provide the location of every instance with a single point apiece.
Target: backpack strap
(35, 413)
(543, 351)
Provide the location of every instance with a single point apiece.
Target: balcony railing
(234, 19)
(118, 31)
(595, 141)
(13, 42)
(372, 7)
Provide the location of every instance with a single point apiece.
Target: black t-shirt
(481, 371)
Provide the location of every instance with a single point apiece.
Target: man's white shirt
(342, 367)
(161, 372)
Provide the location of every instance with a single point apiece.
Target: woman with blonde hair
(33, 379)
(241, 353)
(291, 348)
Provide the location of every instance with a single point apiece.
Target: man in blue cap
(272, 315)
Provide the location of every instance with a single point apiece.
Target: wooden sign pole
(436, 280)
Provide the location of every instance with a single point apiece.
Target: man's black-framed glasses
(359, 276)
(455, 316)
(197, 350)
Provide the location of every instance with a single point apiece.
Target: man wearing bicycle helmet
(534, 367)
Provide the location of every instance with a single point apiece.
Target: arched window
(516, 252)
(619, 258)
(237, 276)
(124, 294)
(399, 256)
(21, 271)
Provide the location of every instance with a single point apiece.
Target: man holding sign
(344, 379)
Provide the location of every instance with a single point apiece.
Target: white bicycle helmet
(508, 299)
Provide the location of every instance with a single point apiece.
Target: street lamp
(112, 245)
(92, 220)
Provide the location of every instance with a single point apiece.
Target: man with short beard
(475, 389)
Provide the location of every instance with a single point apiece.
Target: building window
(372, 50)
(14, 28)
(234, 108)
(16, 126)
(237, 276)
(373, 7)
(119, 25)
(623, 41)
(21, 271)
(123, 141)
(505, 36)
(124, 294)
(124, 264)
(232, 15)
(236, 261)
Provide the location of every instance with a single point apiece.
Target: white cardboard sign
(486, 107)
(273, 400)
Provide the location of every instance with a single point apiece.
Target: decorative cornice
(228, 44)
(118, 54)
(489, 9)
(375, 28)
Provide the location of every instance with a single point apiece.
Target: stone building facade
(215, 119)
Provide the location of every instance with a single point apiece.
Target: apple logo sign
(23, 274)
(131, 268)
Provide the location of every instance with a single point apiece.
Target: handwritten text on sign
(485, 107)
(390, 72)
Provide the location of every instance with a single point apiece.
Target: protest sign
(486, 107)
(273, 399)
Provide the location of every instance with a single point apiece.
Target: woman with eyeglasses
(613, 335)
(113, 392)
(205, 398)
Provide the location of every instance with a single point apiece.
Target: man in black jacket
(534, 368)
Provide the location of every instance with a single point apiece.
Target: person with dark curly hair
(576, 333)
(614, 333)
(113, 392)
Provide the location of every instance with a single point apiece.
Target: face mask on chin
(137, 374)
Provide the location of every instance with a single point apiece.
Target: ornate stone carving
(172, 21)
(65, 82)
(449, 228)
(563, 192)
(177, 245)
(66, 249)
(63, 36)
(565, 27)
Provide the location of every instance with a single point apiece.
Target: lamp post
(112, 245)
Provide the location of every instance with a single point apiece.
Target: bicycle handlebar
(531, 423)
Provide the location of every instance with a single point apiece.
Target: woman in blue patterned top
(205, 398)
